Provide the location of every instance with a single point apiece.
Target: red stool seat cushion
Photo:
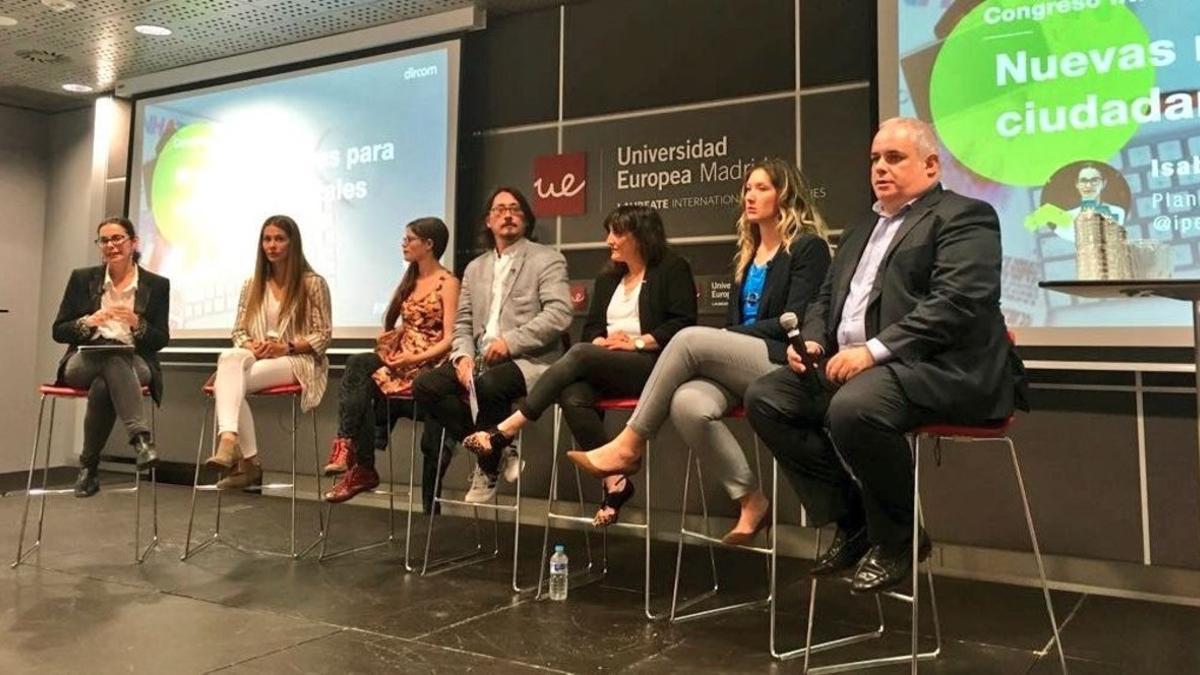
(281, 390)
(616, 404)
(996, 430)
(63, 391)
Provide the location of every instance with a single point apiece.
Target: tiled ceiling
(92, 42)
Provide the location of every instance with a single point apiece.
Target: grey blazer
(535, 309)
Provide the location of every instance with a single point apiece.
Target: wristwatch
(639, 344)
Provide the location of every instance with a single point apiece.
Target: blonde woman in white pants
(280, 337)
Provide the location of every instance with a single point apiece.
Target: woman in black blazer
(123, 308)
(781, 261)
(643, 298)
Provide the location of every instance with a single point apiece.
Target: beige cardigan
(311, 369)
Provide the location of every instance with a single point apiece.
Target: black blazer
(151, 303)
(666, 304)
(793, 278)
(936, 305)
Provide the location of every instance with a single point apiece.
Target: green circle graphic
(971, 94)
(176, 185)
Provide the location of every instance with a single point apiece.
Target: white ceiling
(94, 43)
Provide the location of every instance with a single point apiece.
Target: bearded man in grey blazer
(513, 309)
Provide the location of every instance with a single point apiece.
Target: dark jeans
(114, 382)
(439, 394)
(865, 473)
(367, 417)
(581, 377)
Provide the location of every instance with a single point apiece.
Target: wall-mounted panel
(510, 72)
(1173, 479)
(835, 141)
(836, 42)
(631, 54)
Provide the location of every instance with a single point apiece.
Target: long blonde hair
(798, 214)
(295, 294)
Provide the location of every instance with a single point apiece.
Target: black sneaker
(147, 456)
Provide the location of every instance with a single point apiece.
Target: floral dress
(421, 326)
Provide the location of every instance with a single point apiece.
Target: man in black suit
(907, 330)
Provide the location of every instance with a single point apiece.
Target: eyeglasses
(1091, 181)
(409, 239)
(510, 209)
(115, 241)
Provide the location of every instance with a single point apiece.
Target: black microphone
(791, 324)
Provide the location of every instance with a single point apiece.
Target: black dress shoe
(886, 565)
(147, 456)
(843, 553)
(87, 483)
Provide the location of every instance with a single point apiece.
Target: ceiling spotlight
(148, 29)
(77, 88)
(6, 21)
(59, 5)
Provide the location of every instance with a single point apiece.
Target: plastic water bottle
(558, 574)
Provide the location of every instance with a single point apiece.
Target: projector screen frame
(320, 63)
(888, 77)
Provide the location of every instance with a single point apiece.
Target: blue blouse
(752, 288)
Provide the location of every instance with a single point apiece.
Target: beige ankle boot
(226, 456)
(249, 472)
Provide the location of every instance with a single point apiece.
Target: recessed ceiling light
(6, 21)
(77, 88)
(59, 5)
(148, 29)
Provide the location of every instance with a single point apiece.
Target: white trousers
(239, 374)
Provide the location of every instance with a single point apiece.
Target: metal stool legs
(711, 541)
(479, 554)
(808, 648)
(139, 553)
(29, 483)
(915, 656)
(391, 495)
(215, 538)
(1037, 555)
(588, 574)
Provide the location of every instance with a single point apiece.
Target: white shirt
(501, 265)
(110, 298)
(273, 309)
(623, 311)
(852, 330)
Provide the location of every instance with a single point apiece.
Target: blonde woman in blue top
(704, 372)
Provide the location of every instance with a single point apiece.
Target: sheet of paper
(473, 400)
(105, 348)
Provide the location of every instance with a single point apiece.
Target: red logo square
(559, 183)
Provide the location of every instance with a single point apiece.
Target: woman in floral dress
(415, 338)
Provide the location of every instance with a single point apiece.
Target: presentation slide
(1079, 120)
(352, 151)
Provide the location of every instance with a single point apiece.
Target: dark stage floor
(79, 605)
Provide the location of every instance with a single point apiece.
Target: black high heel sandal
(496, 439)
(614, 501)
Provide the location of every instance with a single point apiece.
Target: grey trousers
(701, 375)
(114, 383)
